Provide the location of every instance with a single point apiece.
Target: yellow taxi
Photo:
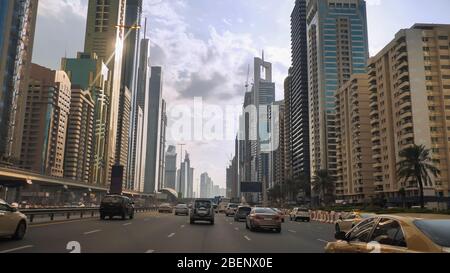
(397, 233)
(345, 224)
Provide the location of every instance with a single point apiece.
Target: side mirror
(341, 236)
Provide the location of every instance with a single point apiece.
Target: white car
(12, 222)
(231, 209)
(300, 214)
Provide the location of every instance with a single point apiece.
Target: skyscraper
(136, 181)
(162, 144)
(186, 180)
(152, 161)
(123, 130)
(141, 99)
(46, 121)
(296, 95)
(355, 181)
(105, 34)
(170, 176)
(409, 84)
(337, 48)
(80, 136)
(17, 27)
(89, 73)
(204, 178)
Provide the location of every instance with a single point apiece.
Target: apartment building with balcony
(355, 179)
(409, 84)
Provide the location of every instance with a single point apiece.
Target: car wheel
(212, 223)
(252, 229)
(192, 222)
(102, 217)
(132, 216)
(20, 231)
(124, 216)
(278, 230)
(246, 225)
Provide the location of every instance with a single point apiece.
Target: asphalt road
(163, 233)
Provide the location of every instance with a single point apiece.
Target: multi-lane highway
(162, 233)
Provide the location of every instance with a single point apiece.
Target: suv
(202, 210)
(300, 214)
(116, 205)
(242, 213)
(231, 209)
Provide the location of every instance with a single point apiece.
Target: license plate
(267, 219)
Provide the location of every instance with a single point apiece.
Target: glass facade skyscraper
(337, 48)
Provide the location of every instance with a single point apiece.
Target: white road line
(16, 249)
(231, 223)
(323, 241)
(92, 232)
(237, 229)
(292, 231)
(183, 226)
(248, 239)
(171, 235)
(127, 224)
(150, 251)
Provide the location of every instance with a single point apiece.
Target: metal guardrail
(69, 212)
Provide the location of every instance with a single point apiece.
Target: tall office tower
(105, 34)
(337, 48)
(90, 73)
(209, 187)
(136, 182)
(289, 151)
(162, 143)
(184, 175)
(153, 131)
(355, 182)
(46, 121)
(123, 131)
(204, 178)
(409, 82)
(80, 136)
(264, 96)
(17, 27)
(297, 95)
(170, 177)
(278, 155)
(140, 100)
(133, 15)
(191, 183)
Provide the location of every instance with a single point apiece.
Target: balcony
(376, 138)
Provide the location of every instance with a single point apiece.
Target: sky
(205, 48)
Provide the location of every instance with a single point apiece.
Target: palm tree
(323, 184)
(417, 165)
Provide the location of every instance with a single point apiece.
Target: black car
(202, 210)
(117, 205)
(242, 213)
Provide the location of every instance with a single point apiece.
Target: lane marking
(150, 251)
(248, 239)
(16, 249)
(323, 241)
(183, 226)
(92, 232)
(32, 225)
(146, 220)
(292, 231)
(237, 229)
(171, 235)
(127, 224)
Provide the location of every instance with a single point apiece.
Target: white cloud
(59, 8)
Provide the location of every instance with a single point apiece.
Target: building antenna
(145, 28)
(247, 84)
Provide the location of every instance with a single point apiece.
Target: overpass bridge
(17, 185)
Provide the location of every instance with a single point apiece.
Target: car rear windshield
(112, 200)
(182, 206)
(264, 211)
(233, 205)
(245, 209)
(203, 204)
(437, 230)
